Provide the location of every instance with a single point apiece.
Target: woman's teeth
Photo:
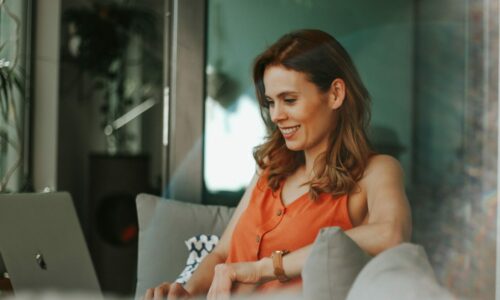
(290, 130)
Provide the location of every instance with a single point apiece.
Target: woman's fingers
(166, 291)
(220, 289)
(243, 288)
(158, 292)
(177, 291)
(149, 294)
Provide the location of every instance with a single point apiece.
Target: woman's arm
(388, 223)
(200, 282)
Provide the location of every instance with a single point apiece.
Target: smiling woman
(317, 110)
(316, 170)
(317, 70)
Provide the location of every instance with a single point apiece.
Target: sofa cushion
(164, 226)
(332, 266)
(402, 272)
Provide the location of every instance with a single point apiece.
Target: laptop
(42, 244)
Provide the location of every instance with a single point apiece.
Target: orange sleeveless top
(268, 225)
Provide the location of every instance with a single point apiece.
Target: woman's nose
(277, 113)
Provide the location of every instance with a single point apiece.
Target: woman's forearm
(377, 237)
(200, 282)
(372, 238)
(292, 264)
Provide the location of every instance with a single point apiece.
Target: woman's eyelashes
(270, 102)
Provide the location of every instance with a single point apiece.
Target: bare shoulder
(383, 161)
(382, 172)
(383, 165)
(258, 170)
(387, 202)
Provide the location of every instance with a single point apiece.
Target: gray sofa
(336, 269)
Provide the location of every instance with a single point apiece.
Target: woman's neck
(307, 170)
(310, 157)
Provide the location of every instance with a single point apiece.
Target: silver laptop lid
(42, 244)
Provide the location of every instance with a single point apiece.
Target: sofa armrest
(164, 225)
(402, 272)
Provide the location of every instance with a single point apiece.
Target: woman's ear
(336, 94)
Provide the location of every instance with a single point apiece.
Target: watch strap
(279, 272)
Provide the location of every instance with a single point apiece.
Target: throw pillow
(332, 266)
(198, 246)
(164, 225)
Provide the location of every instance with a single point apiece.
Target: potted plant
(11, 82)
(11, 104)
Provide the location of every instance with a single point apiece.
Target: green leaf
(4, 94)
(18, 83)
(10, 84)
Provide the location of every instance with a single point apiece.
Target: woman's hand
(247, 274)
(170, 290)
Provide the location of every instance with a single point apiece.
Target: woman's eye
(269, 103)
(290, 100)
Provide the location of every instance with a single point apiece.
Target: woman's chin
(293, 146)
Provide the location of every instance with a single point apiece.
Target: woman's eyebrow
(282, 94)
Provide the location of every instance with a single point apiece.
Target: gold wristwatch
(277, 257)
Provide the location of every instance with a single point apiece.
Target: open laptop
(42, 244)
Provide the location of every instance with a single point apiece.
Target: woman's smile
(288, 132)
(299, 109)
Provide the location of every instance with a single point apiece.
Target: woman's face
(301, 112)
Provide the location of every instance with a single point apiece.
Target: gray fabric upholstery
(164, 225)
(402, 272)
(332, 266)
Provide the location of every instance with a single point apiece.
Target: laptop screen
(42, 244)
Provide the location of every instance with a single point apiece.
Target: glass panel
(111, 84)
(110, 124)
(232, 121)
(14, 95)
(431, 68)
(114, 47)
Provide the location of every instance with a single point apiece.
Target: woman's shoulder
(382, 170)
(378, 160)
(382, 165)
(261, 175)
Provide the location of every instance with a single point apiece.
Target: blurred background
(110, 98)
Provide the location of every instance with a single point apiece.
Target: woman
(316, 169)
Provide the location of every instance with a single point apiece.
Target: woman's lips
(288, 132)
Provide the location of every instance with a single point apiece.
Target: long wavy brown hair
(322, 59)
